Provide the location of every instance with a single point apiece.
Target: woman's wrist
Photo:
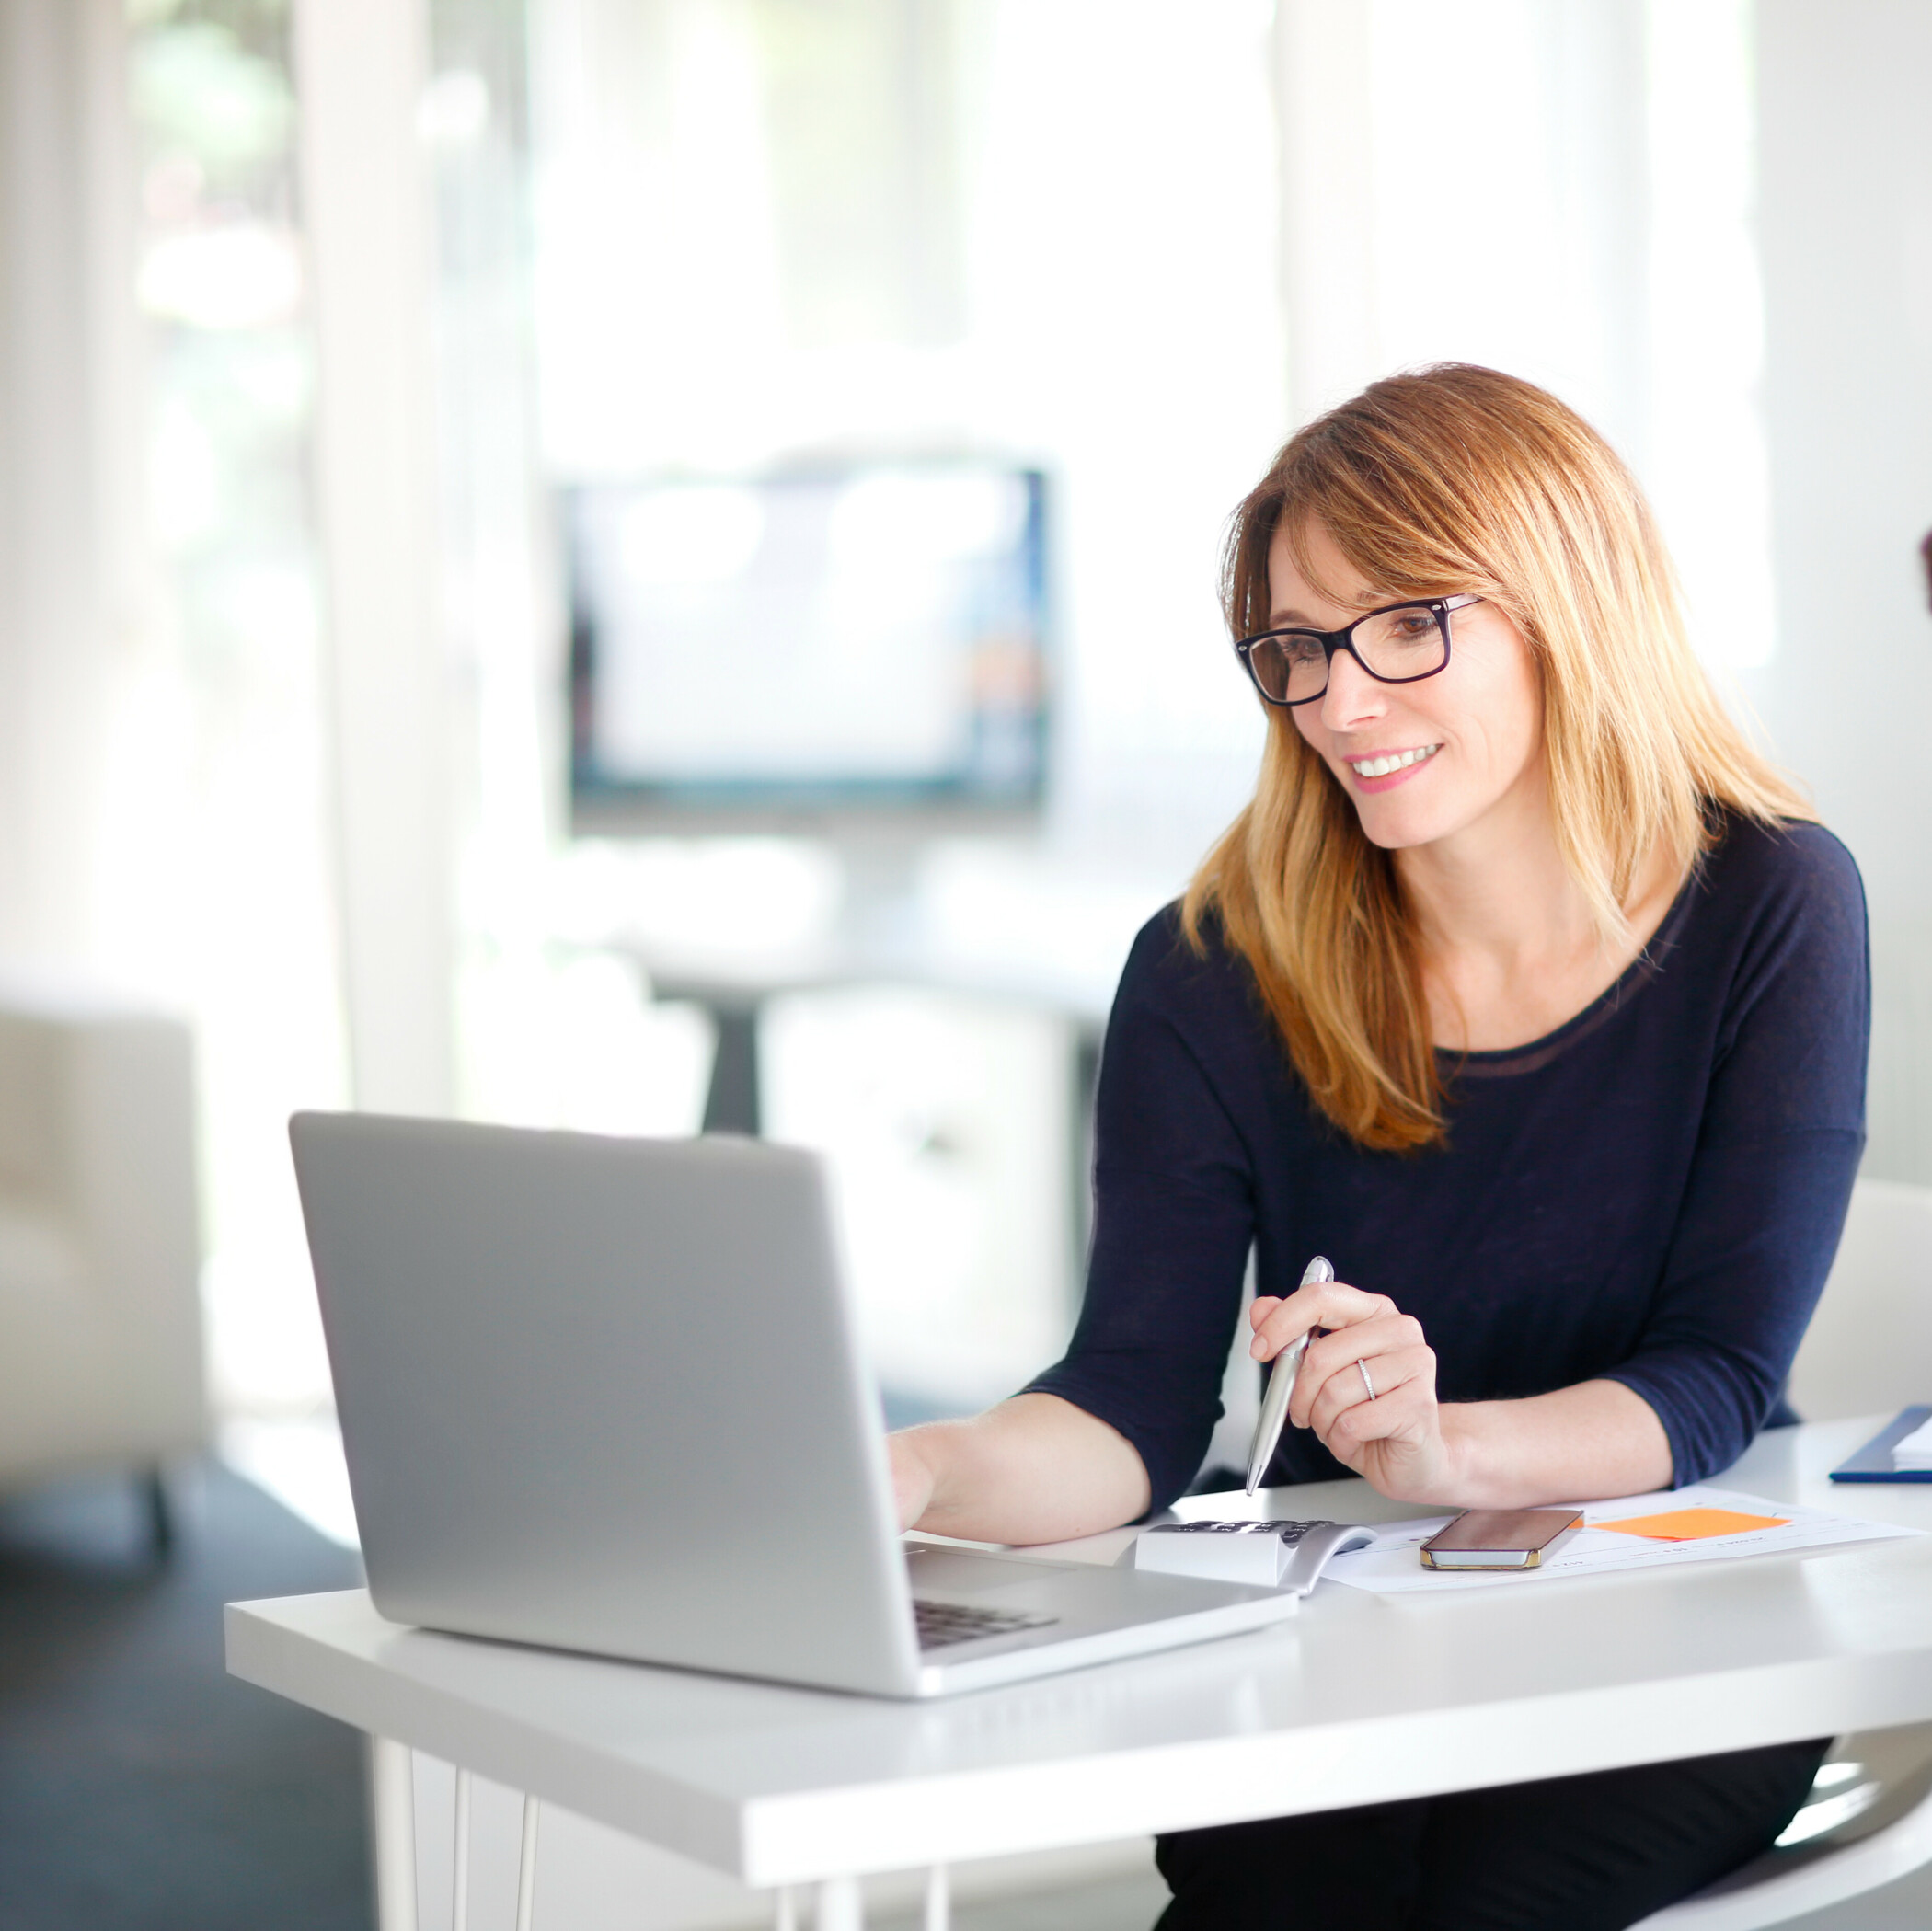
(1468, 1470)
(1494, 1457)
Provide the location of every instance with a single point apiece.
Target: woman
(1527, 990)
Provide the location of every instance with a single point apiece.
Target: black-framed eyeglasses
(1402, 643)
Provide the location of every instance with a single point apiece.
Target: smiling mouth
(1395, 761)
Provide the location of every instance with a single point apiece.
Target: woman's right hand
(1366, 1387)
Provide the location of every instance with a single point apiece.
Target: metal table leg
(527, 1866)
(392, 1791)
(842, 1906)
(459, 1876)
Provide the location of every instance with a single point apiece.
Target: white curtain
(71, 577)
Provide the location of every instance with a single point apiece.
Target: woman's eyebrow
(1292, 618)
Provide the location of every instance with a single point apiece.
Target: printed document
(1694, 1524)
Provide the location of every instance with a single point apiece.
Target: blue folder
(1873, 1461)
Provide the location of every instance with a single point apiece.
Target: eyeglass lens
(1292, 665)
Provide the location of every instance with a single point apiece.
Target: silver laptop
(605, 1395)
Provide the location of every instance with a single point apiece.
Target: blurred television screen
(840, 643)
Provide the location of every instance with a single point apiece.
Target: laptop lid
(605, 1395)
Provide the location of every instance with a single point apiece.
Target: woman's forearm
(1034, 1469)
(1597, 1439)
(1038, 1469)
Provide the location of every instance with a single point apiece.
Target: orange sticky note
(1692, 1524)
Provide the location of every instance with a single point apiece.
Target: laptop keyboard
(942, 1623)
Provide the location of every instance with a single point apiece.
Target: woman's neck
(1511, 944)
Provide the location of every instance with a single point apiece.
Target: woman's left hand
(1366, 1387)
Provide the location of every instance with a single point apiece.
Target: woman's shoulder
(1789, 865)
(1179, 973)
(1189, 1029)
(1772, 898)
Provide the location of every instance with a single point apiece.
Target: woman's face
(1478, 724)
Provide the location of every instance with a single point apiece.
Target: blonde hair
(1441, 482)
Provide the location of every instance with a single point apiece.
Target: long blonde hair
(1441, 482)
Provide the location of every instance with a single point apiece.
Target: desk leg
(527, 1866)
(732, 1105)
(938, 1899)
(785, 1917)
(842, 1906)
(392, 1790)
(459, 1875)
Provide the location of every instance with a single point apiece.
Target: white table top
(1359, 1699)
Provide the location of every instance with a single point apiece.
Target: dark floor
(140, 1786)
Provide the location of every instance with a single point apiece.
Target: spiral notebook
(1873, 1461)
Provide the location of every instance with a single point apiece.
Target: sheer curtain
(161, 823)
(72, 584)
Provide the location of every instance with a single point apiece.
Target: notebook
(1873, 1463)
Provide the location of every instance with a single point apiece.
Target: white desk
(1359, 1699)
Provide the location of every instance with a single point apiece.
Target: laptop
(606, 1395)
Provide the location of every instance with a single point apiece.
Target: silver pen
(1281, 1385)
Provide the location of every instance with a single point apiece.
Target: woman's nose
(1353, 697)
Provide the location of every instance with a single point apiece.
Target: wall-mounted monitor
(807, 649)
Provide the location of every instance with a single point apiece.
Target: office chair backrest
(1868, 1349)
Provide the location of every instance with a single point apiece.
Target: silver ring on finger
(1363, 1368)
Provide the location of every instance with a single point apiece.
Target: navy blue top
(1651, 1194)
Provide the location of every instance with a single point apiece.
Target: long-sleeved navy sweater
(1651, 1194)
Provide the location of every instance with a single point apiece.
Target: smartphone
(1500, 1538)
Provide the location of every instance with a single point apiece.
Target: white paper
(1913, 1450)
(1393, 1566)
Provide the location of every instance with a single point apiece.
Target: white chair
(100, 1327)
(1815, 1875)
(1868, 1350)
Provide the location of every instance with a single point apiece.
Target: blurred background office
(619, 563)
(330, 329)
